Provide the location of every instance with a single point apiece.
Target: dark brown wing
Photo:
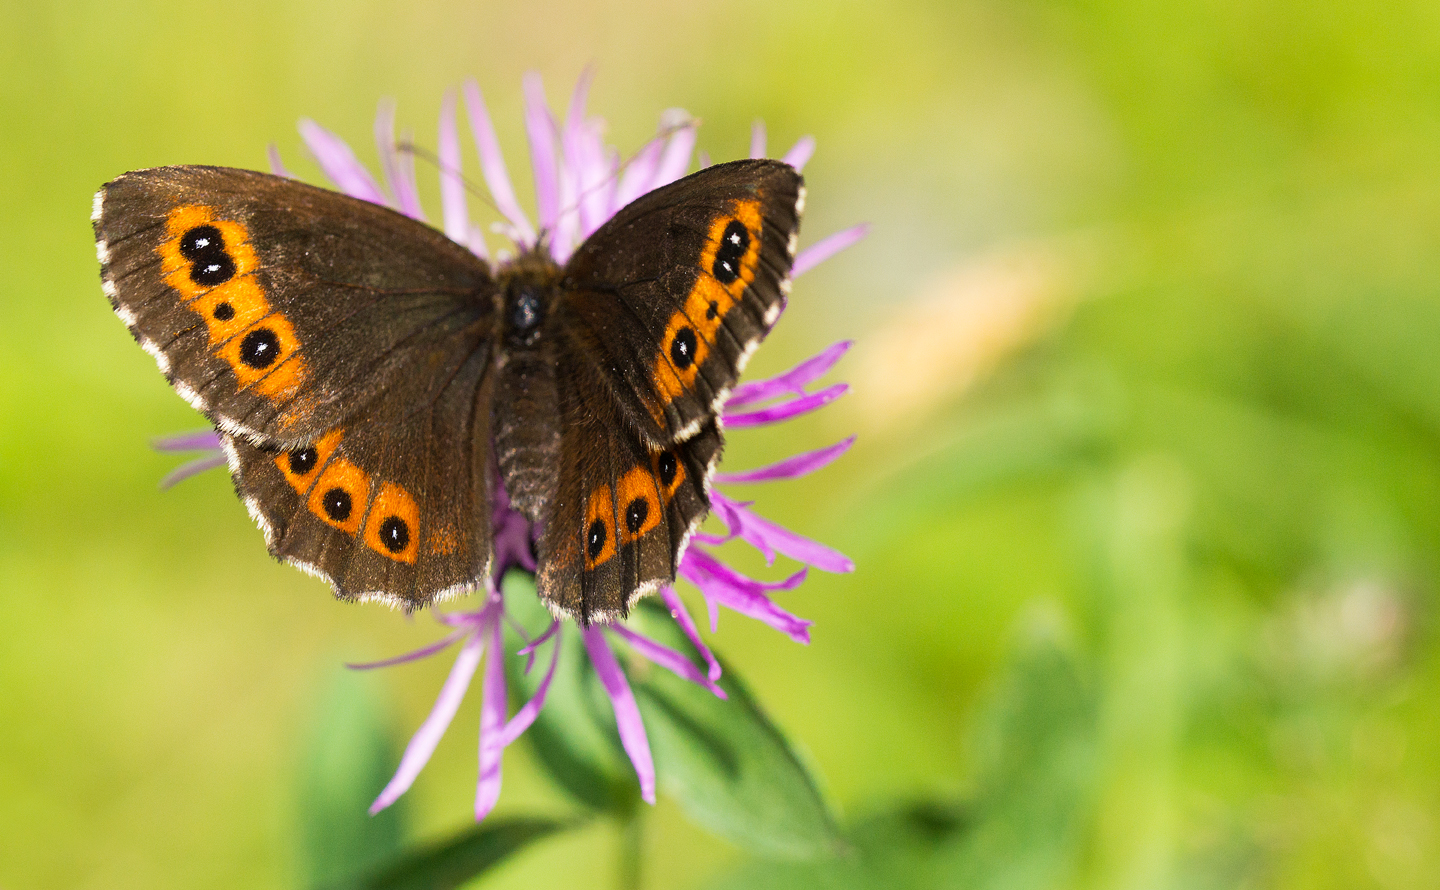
(660, 309)
(674, 293)
(342, 349)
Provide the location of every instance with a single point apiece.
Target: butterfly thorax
(524, 408)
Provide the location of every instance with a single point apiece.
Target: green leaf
(729, 767)
(574, 738)
(455, 862)
(1037, 738)
(349, 758)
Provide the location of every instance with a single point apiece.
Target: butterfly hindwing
(342, 349)
(674, 292)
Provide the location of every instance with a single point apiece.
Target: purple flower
(579, 183)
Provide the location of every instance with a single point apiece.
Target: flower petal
(770, 538)
(407, 200)
(531, 709)
(668, 658)
(639, 174)
(627, 713)
(196, 440)
(192, 468)
(492, 164)
(452, 183)
(423, 652)
(827, 247)
(540, 128)
(757, 139)
(492, 724)
(676, 158)
(791, 467)
(792, 382)
(687, 624)
(277, 166)
(423, 743)
(799, 155)
(787, 410)
(338, 162)
(722, 585)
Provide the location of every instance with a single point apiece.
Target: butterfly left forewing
(343, 350)
(678, 288)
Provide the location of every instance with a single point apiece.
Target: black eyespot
(682, 348)
(667, 467)
(337, 504)
(596, 536)
(733, 245)
(303, 461)
(202, 242)
(636, 513)
(224, 311)
(394, 534)
(260, 348)
(209, 271)
(712, 310)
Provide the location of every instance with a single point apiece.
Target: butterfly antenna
(666, 131)
(425, 154)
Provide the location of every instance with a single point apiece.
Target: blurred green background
(1148, 397)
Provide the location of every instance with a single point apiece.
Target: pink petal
(639, 174)
(423, 652)
(423, 743)
(676, 158)
(757, 139)
(799, 155)
(540, 127)
(792, 382)
(198, 440)
(666, 657)
(687, 624)
(492, 164)
(722, 585)
(827, 247)
(406, 198)
(531, 709)
(452, 185)
(191, 468)
(627, 713)
(787, 410)
(770, 538)
(277, 166)
(492, 725)
(790, 467)
(338, 162)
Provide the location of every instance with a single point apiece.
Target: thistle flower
(579, 184)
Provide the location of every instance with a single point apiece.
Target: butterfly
(378, 388)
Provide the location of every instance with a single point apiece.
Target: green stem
(632, 832)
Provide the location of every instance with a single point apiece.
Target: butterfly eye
(394, 534)
(682, 348)
(636, 514)
(667, 467)
(259, 348)
(733, 244)
(596, 539)
(337, 503)
(303, 461)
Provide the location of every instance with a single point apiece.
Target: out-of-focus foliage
(1145, 504)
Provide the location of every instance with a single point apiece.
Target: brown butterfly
(374, 382)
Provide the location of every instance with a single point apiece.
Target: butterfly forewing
(343, 350)
(675, 291)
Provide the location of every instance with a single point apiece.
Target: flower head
(579, 184)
